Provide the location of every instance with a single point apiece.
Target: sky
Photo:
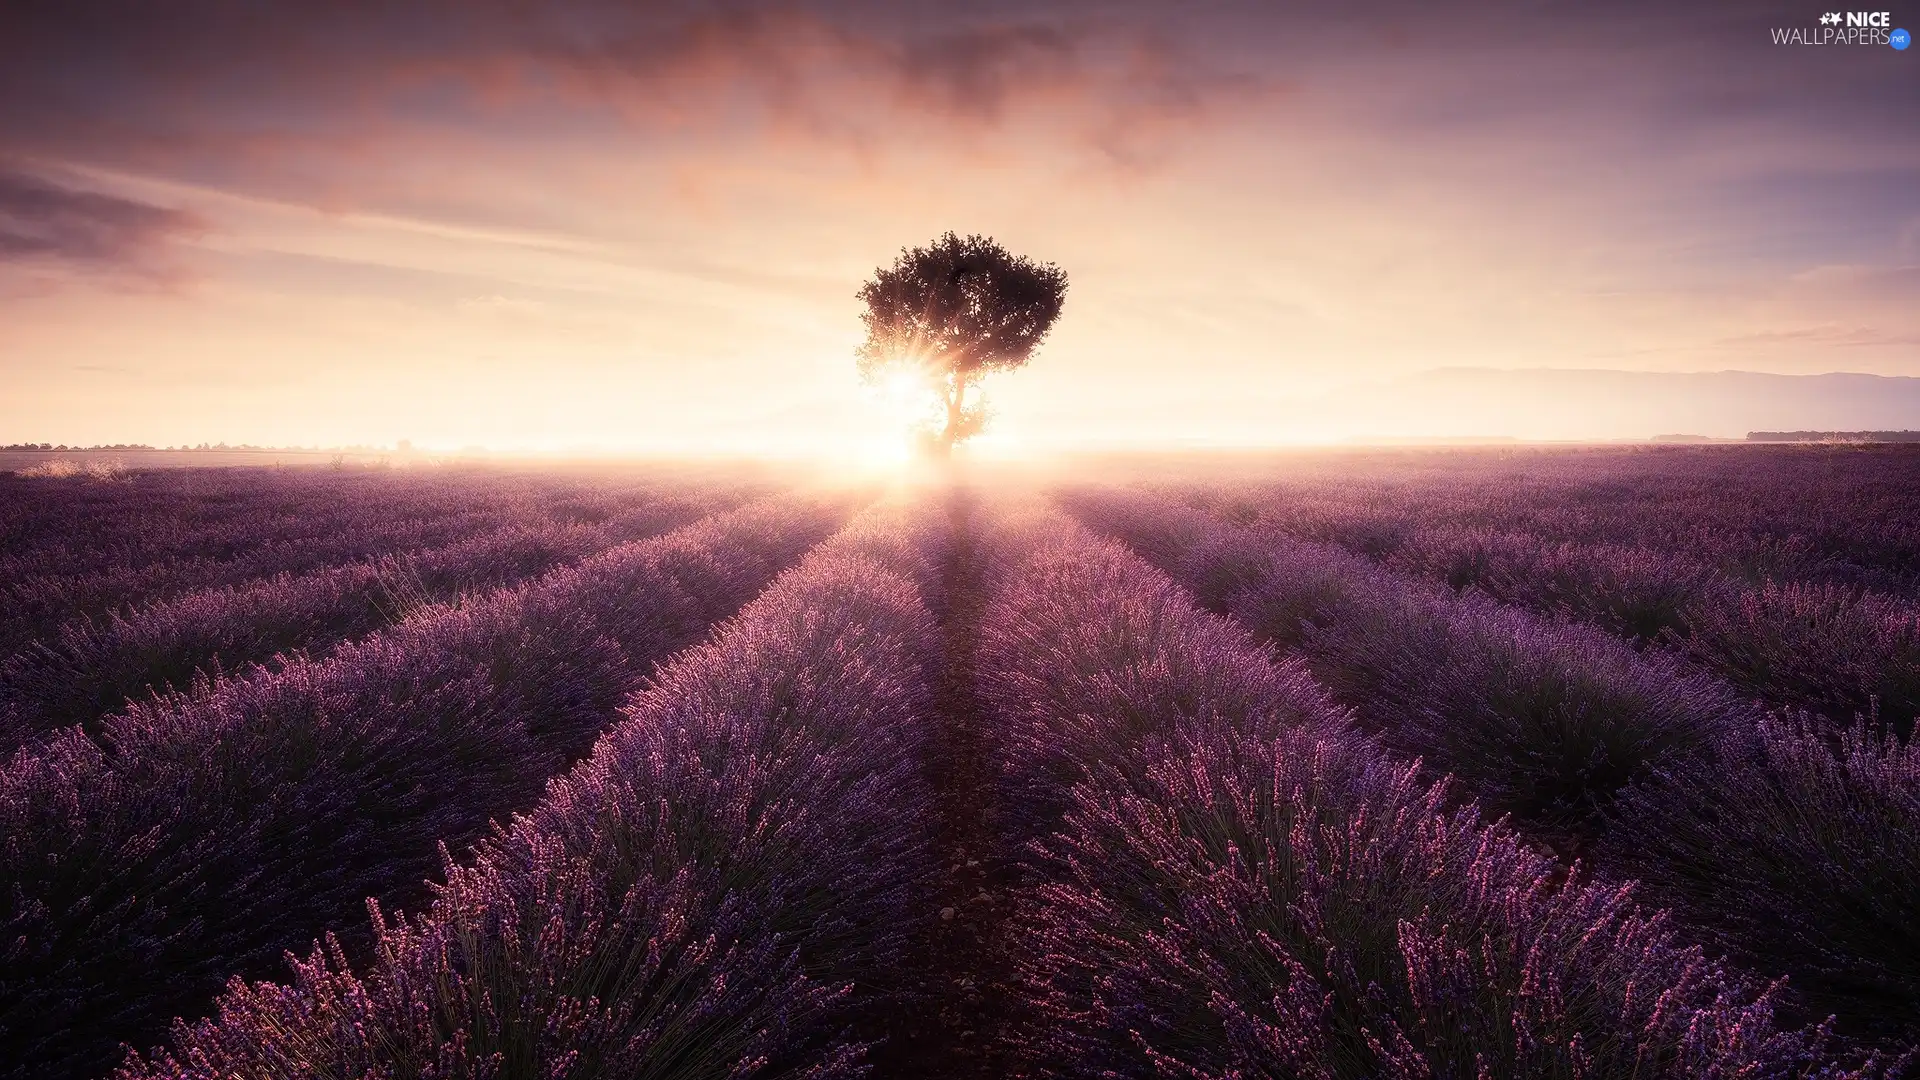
(641, 226)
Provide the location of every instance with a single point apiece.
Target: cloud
(1825, 335)
(207, 79)
(977, 73)
(1275, 195)
(1127, 94)
(42, 220)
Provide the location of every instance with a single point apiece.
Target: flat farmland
(1518, 762)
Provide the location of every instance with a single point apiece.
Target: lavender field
(1570, 763)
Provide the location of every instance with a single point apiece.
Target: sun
(903, 398)
(906, 390)
(881, 439)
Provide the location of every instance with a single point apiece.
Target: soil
(956, 1025)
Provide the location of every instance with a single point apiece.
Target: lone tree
(945, 315)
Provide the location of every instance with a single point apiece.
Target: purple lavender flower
(94, 667)
(1802, 854)
(1539, 719)
(738, 861)
(1238, 886)
(206, 832)
(93, 549)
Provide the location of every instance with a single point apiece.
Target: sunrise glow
(642, 231)
(920, 540)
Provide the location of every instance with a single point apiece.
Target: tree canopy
(952, 311)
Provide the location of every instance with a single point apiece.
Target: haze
(640, 227)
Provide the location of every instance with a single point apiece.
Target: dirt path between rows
(955, 1030)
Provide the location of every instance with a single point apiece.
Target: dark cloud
(1665, 119)
(117, 71)
(272, 95)
(113, 79)
(43, 220)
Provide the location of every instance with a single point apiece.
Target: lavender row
(1832, 648)
(1800, 852)
(221, 514)
(147, 554)
(1797, 855)
(206, 832)
(739, 862)
(1754, 574)
(1234, 884)
(94, 666)
(38, 604)
(1847, 517)
(1544, 721)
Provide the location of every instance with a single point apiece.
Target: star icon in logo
(1831, 18)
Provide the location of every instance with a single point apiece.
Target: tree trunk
(955, 399)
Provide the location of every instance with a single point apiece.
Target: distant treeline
(64, 446)
(1833, 436)
(403, 447)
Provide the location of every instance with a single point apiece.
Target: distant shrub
(62, 468)
(54, 469)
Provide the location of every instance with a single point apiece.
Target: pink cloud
(49, 228)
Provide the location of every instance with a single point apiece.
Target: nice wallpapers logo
(1846, 28)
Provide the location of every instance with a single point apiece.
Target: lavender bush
(1788, 848)
(1247, 916)
(740, 858)
(229, 513)
(1794, 575)
(1803, 856)
(206, 832)
(1641, 593)
(1073, 690)
(1539, 719)
(1241, 888)
(181, 530)
(1818, 514)
(37, 604)
(95, 666)
(1830, 648)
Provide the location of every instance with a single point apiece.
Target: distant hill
(1600, 404)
